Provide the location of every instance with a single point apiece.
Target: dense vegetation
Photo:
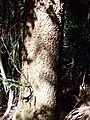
(11, 36)
(76, 50)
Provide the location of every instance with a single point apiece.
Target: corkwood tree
(41, 55)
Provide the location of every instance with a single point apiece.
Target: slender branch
(2, 72)
(10, 100)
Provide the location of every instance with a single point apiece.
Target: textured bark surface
(40, 61)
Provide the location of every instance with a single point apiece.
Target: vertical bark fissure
(59, 82)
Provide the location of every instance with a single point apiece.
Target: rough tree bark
(40, 61)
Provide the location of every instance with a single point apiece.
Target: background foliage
(11, 36)
(76, 50)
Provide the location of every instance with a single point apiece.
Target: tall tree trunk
(40, 61)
